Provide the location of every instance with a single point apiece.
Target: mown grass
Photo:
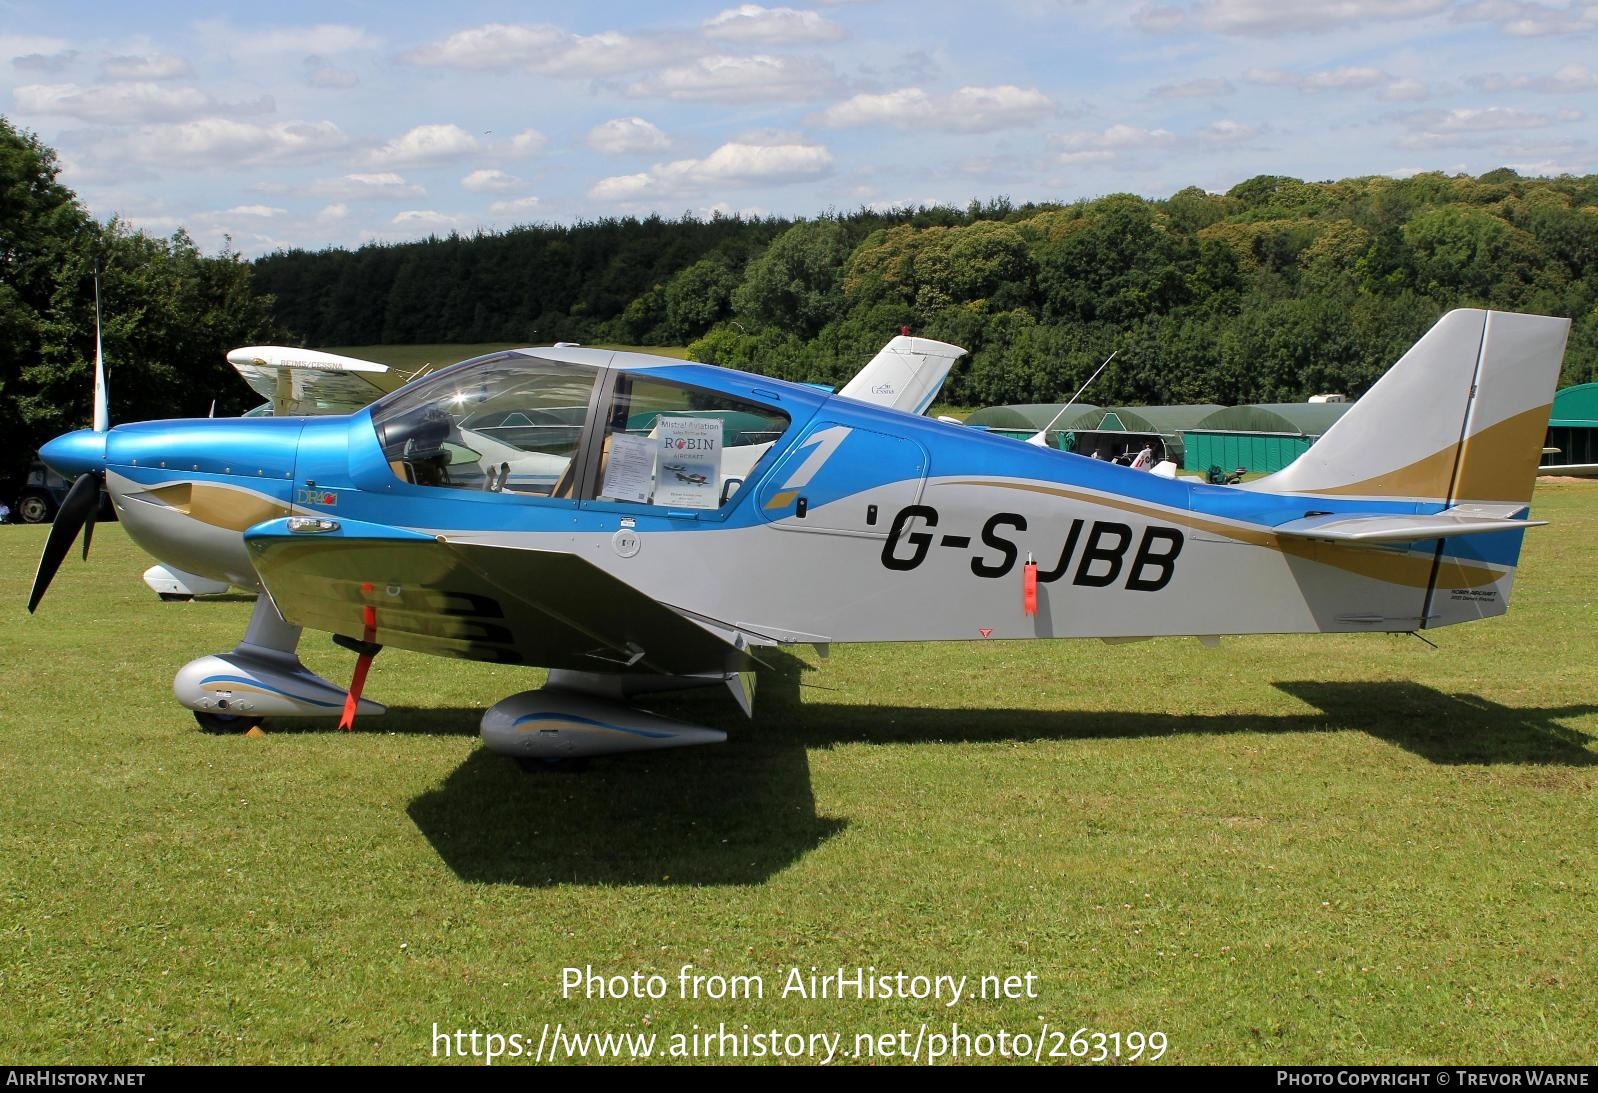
(1350, 849)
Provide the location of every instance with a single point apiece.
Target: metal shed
(1263, 437)
(1573, 429)
(1024, 419)
(1117, 430)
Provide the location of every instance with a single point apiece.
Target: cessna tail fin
(906, 375)
(1460, 419)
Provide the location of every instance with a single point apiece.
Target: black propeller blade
(78, 510)
(94, 512)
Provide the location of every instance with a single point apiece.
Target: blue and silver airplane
(634, 523)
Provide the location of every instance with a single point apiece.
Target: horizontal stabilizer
(1386, 528)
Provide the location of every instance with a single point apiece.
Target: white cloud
(1267, 18)
(622, 187)
(1439, 128)
(1193, 89)
(490, 180)
(1116, 136)
(14, 46)
(1337, 79)
(373, 186)
(1106, 145)
(1228, 130)
(1405, 90)
(968, 110)
(1086, 155)
(546, 49)
(255, 41)
(1480, 119)
(733, 164)
(529, 142)
(1159, 18)
(318, 73)
(265, 212)
(1349, 78)
(49, 63)
(155, 66)
(425, 219)
(222, 140)
(153, 225)
(620, 136)
(331, 213)
(1567, 79)
(776, 26)
(739, 80)
(425, 144)
(1526, 19)
(127, 103)
(514, 207)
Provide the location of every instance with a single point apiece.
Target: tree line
(170, 314)
(1275, 290)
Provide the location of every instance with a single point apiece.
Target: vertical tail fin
(906, 375)
(1459, 419)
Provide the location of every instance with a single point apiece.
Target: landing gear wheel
(231, 724)
(174, 597)
(34, 509)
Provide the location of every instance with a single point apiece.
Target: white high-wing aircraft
(713, 515)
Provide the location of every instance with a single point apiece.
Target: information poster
(629, 468)
(689, 470)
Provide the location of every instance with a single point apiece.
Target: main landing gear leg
(262, 677)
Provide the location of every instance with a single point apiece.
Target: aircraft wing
(308, 381)
(1386, 528)
(477, 600)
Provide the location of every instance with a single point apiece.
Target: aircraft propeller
(82, 502)
(77, 513)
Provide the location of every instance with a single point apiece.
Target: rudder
(1459, 419)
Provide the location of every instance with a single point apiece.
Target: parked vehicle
(42, 494)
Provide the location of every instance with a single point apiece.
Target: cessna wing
(301, 382)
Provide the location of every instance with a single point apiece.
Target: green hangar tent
(1120, 431)
(1573, 429)
(1264, 437)
(1025, 419)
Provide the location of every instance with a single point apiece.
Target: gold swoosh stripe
(219, 506)
(1407, 568)
(1498, 463)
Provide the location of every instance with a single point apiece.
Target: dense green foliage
(170, 313)
(1273, 291)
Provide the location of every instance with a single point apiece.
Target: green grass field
(1340, 849)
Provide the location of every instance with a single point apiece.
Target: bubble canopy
(524, 424)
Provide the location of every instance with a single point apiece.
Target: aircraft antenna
(1041, 437)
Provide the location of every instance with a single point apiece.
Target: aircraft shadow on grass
(744, 811)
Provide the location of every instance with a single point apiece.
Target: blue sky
(334, 124)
